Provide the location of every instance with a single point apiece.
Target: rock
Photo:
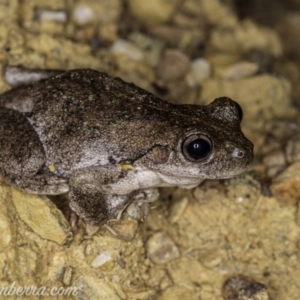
(124, 229)
(292, 149)
(200, 70)
(177, 209)
(9, 11)
(274, 158)
(218, 14)
(177, 292)
(42, 216)
(5, 226)
(152, 12)
(173, 65)
(67, 277)
(103, 12)
(286, 186)
(241, 70)
(46, 15)
(126, 48)
(244, 288)
(103, 261)
(161, 249)
(288, 27)
(83, 14)
(186, 39)
(93, 288)
(244, 38)
(151, 47)
(275, 162)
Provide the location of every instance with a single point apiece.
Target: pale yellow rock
(177, 209)
(89, 11)
(5, 226)
(8, 10)
(286, 186)
(177, 292)
(161, 249)
(42, 216)
(93, 288)
(152, 12)
(245, 37)
(240, 70)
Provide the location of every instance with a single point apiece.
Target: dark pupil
(198, 149)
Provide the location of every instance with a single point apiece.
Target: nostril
(238, 153)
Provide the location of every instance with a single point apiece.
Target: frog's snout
(238, 153)
(244, 152)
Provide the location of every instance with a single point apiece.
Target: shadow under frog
(108, 142)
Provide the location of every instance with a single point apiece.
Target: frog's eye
(240, 111)
(196, 147)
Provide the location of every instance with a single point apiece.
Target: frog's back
(83, 117)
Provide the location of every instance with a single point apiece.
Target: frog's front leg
(90, 197)
(98, 194)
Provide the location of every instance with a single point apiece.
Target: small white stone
(101, 259)
(83, 14)
(241, 70)
(200, 69)
(44, 15)
(126, 48)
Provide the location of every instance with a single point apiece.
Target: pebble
(124, 229)
(182, 38)
(151, 47)
(241, 70)
(177, 292)
(200, 70)
(241, 287)
(103, 259)
(42, 216)
(298, 215)
(173, 65)
(177, 209)
(152, 12)
(161, 249)
(93, 288)
(44, 15)
(90, 12)
(122, 47)
(286, 186)
(67, 277)
(244, 38)
(83, 14)
(5, 226)
(292, 149)
(275, 162)
(274, 158)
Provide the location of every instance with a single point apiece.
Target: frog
(108, 143)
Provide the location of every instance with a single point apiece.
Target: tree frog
(108, 142)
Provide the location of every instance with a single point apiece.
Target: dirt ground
(235, 239)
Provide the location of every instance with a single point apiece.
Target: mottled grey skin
(108, 142)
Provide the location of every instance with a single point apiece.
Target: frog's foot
(22, 156)
(139, 207)
(22, 153)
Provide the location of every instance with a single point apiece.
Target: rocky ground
(235, 239)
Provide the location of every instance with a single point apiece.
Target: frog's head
(209, 144)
